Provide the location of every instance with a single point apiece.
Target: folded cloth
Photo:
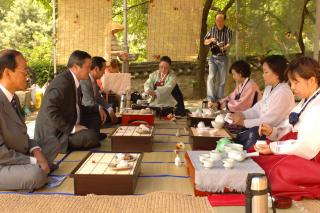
(227, 200)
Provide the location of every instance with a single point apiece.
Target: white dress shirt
(273, 108)
(77, 84)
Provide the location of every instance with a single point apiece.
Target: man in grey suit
(95, 111)
(58, 123)
(22, 164)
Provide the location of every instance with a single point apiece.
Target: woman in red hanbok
(292, 162)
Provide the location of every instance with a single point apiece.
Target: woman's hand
(237, 118)
(212, 105)
(265, 129)
(152, 93)
(263, 149)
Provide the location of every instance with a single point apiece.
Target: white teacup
(202, 157)
(215, 155)
(139, 102)
(120, 156)
(208, 163)
(228, 163)
(201, 124)
(123, 164)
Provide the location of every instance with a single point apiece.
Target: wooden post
(236, 30)
(125, 64)
(317, 32)
(54, 37)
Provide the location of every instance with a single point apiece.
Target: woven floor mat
(153, 202)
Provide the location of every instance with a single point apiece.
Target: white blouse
(307, 144)
(272, 109)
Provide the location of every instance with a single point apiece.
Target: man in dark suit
(95, 110)
(58, 123)
(22, 164)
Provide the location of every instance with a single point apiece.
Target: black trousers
(177, 95)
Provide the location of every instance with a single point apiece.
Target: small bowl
(236, 146)
(215, 155)
(208, 163)
(227, 165)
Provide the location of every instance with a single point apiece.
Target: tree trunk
(203, 52)
(300, 38)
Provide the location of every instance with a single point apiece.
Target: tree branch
(227, 7)
(131, 7)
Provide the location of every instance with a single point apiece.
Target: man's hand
(213, 40)
(265, 129)
(79, 128)
(112, 115)
(212, 105)
(103, 115)
(41, 160)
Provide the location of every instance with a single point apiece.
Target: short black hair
(221, 13)
(278, 64)
(97, 61)
(8, 60)
(241, 67)
(166, 59)
(77, 57)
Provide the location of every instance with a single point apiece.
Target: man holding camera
(219, 38)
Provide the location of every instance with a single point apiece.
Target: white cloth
(307, 144)
(77, 84)
(218, 178)
(118, 83)
(272, 109)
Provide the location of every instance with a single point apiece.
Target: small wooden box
(205, 141)
(126, 139)
(95, 176)
(193, 121)
(134, 117)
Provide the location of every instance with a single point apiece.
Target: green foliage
(137, 25)
(27, 28)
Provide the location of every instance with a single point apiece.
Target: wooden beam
(317, 32)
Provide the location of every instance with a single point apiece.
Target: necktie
(78, 104)
(15, 105)
(94, 88)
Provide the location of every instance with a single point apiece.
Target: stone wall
(185, 72)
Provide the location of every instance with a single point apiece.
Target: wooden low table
(135, 117)
(96, 175)
(192, 121)
(126, 139)
(206, 141)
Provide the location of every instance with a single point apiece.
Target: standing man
(219, 38)
(58, 123)
(22, 164)
(96, 111)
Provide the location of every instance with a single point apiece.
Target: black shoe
(102, 136)
(53, 167)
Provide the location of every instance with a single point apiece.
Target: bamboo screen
(174, 29)
(82, 25)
